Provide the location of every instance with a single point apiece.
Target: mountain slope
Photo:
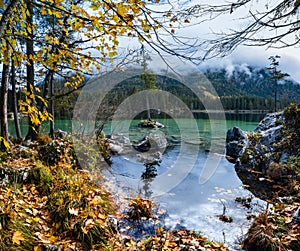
(250, 81)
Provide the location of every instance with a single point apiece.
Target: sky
(254, 56)
(243, 55)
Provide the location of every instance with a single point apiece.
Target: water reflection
(190, 204)
(147, 177)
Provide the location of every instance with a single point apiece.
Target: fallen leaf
(288, 219)
(28, 210)
(84, 230)
(101, 216)
(36, 219)
(37, 248)
(17, 237)
(29, 221)
(42, 238)
(73, 211)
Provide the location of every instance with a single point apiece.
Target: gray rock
(115, 148)
(269, 136)
(271, 120)
(120, 139)
(236, 141)
(28, 142)
(112, 223)
(152, 142)
(150, 158)
(61, 134)
(235, 134)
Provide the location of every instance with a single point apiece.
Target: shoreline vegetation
(49, 202)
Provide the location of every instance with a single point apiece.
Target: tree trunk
(32, 130)
(15, 101)
(51, 107)
(4, 94)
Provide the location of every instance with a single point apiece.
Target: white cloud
(243, 56)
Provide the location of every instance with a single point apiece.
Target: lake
(188, 203)
(189, 200)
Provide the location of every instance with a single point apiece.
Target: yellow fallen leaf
(84, 230)
(101, 216)
(37, 248)
(17, 237)
(36, 219)
(288, 219)
(52, 238)
(29, 221)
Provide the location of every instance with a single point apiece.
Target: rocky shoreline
(267, 162)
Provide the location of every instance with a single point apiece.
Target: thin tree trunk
(4, 95)
(40, 104)
(51, 107)
(32, 130)
(15, 101)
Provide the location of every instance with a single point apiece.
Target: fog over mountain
(245, 80)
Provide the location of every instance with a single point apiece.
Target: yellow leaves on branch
(99, 23)
(28, 107)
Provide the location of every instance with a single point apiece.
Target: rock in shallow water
(236, 141)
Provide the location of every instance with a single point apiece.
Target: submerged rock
(152, 142)
(51, 247)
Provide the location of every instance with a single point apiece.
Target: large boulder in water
(236, 141)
